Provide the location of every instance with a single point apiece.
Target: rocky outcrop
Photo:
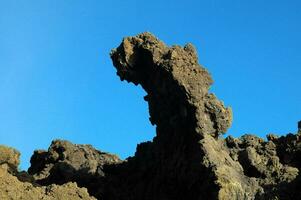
(66, 162)
(187, 159)
(10, 158)
(262, 160)
(14, 188)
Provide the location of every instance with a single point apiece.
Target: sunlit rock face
(187, 159)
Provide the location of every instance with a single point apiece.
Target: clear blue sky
(57, 80)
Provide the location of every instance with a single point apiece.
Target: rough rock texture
(65, 162)
(9, 157)
(263, 160)
(187, 159)
(12, 188)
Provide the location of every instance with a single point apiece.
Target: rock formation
(187, 159)
(65, 162)
(15, 186)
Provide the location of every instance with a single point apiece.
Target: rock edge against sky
(187, 159)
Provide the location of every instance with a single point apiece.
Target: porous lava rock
(66, 162)
(14, 188)
(187, 159)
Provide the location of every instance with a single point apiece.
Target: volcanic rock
(187, 159)
(12, 188)
(66, 162)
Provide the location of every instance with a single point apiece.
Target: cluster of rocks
(187, 159)
(15, 185)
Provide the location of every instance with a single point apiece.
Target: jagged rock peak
(176, 84)
(189, 120)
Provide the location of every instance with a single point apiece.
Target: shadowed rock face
(66, 162)
(187, 158)
(176, 85)
(20, 186)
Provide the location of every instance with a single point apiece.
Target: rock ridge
(187, 159)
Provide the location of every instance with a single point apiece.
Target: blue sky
(57, 80)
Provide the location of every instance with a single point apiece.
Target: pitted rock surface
(187, 159)
(186, 152)
(176, 85)
(66, 162)
(14, 188)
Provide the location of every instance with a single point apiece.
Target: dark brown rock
(16, 186)
(66, 162)
(187, 159)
